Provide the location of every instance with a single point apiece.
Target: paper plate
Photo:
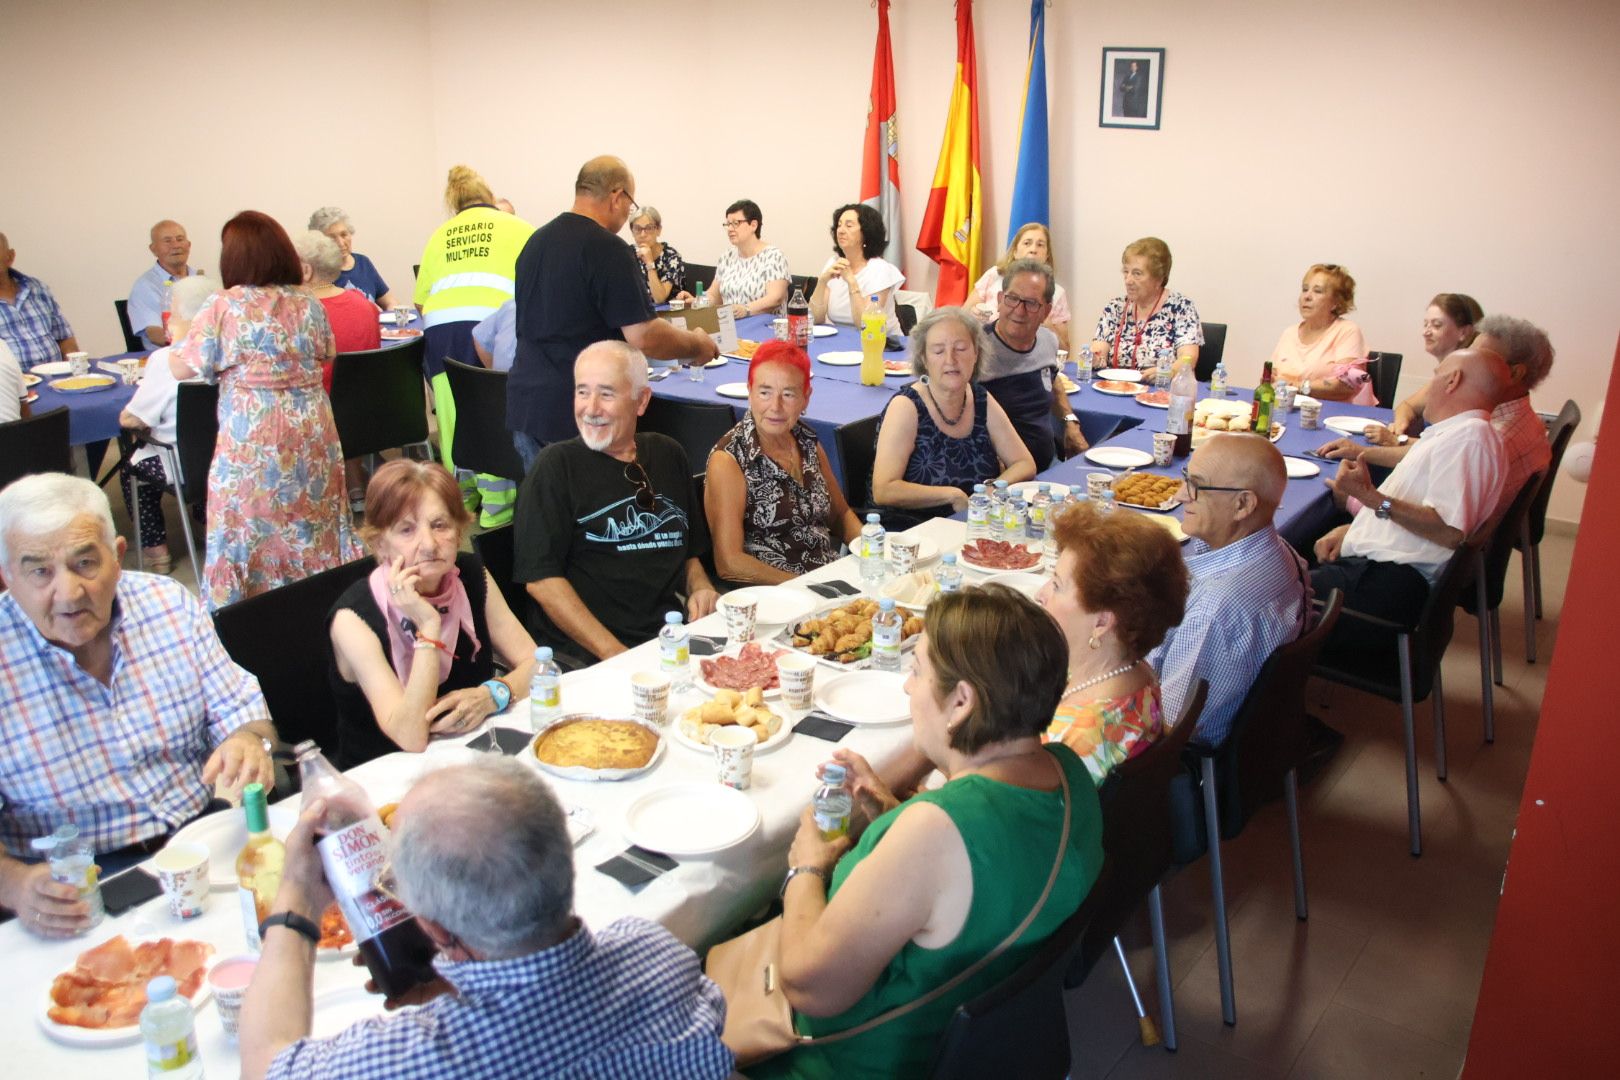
(927, 551)
(690, 819)
(70, 1035)
(1026, 488)
(841, 359)
(1025, 582)
(86, 384)
(738, 390)
(399, 334)
(822, 330)
(678, 735)
(1154, 399)
(895, 368)
(1116, 374)
(580, 772)
(33, 396)
(1300, 469)
(719, 361)
(778, 604)
(388, 317)
(341, 1008)
(1344, 425)
(53, 367)
(1118, 457)
(223, 834)
(865, 698)
(1117, 388)
(965, 558)
(30, 379)
(731, 651)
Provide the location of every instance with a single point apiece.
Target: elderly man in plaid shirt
(119, 708)
(31, 322)
(481, 856)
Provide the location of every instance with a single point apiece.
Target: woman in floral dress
(276, 511)
(1119, 586)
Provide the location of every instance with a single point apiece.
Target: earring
(1092, 641)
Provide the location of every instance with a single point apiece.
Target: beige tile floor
(1380, 982)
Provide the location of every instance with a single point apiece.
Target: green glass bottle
(1265, 396)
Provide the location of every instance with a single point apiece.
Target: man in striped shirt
(1250, 592)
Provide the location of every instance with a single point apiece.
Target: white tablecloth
(701, 901)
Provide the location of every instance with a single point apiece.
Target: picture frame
(1132, 88)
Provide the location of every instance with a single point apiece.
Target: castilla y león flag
(951, 222)
(880, 165)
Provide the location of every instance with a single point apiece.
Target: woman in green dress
(935, 882)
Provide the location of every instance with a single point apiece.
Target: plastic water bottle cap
(1001, 485)
(1044, 489)
(978, 489)
(543, 654)
(672, 618)
(949, 558)
(886, 604)
(830, 774)
(161, 988)
(871, 519)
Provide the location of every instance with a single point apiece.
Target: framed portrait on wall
(1132, 88)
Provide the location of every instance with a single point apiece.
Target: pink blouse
(1340, 353)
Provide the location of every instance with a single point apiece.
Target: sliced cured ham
(751, 667)
(106, 987)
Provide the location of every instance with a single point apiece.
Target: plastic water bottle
(73, 862)
(545, 689)
(886, 626)
(874, 553)
(1217, 380)
(832, 803)
(999, 501)
(949, 575)
(702, 298)
(1084, 365)
(1162, 363)
(1105, 502)
(1183, 399)
(1040, 510)
(674, 652)
(169, 1031)
(978, 513)
(1013, 519)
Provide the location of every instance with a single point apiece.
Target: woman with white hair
(356, 272)
(353, 317)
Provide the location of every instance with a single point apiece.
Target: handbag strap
(984, 961)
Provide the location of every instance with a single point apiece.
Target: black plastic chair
(906, 316)
(280, 636)
(482, 442)
(1210, 353)
(1411, 672)
(35, 444)
(378, 400)
(697, 426)
(1138, 839)
(1535, 523)
(1022, 1017)
(808, 284)
(857, 450)
(696, 272)
(185, 462)
(132, 339)
(1484, 600)
(1259, 760)
(1385, 369)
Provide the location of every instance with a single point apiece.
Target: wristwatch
(794, 871)
(1382, 513)
(500, 692)
(1071, 419)
(294, 922)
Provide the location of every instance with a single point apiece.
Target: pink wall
(1442, 146)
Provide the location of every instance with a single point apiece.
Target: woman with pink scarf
(415, 645)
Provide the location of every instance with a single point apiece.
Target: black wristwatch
(294, 922)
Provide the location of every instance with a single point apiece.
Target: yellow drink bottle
(873, 324)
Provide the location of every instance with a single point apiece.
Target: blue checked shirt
(1247, 598)
(34, 324)
(628, 1001)
(124, 761)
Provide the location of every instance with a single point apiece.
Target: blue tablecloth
(92, 417)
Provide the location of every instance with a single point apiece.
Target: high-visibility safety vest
(468, 265)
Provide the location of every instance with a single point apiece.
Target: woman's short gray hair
(325, 258)
(651, 214)
(47, 503)
(326, 217)
(493, 863)
(963, 318)
(187, 296)
(1526, 345)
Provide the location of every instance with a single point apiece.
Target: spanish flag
(880, 164)
(951, 222)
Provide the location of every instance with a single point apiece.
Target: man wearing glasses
(579, 283)
(609, 531)
(1021, 373)
(1249, 589)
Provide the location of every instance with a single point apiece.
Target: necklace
(1094, 680)
(950, 421)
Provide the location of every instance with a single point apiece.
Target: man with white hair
(119, 708)
(149, 297)
(524, 987)
(609, 529)
(31, 321)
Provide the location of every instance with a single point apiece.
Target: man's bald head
(1466, 380)
(158, 229)
(1240, 481)
(170, 246)
(602, 176)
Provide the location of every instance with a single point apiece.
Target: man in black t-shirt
(579, 283)
(609, 531)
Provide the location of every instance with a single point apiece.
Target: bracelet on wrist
(294, 922)
(795, 871)
(425, 642)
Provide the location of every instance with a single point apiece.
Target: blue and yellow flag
(1031, 199)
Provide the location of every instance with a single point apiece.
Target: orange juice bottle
(873, 325)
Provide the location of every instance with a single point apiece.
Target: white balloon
(1578, 460)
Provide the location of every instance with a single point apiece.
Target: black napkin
(637, 866)
(503, 739)
(819, 725)
(698, 645)
(833, 590)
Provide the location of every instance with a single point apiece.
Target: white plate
(964, 559)
(579, 772)
(1026, 489)
(826, 608)
(690, 819)
(1142, 400)
(223, 834)
(927, 551)
(778, 604)
(1118, 374)
(841, 359)
(1278, 431)
(1344, 425)
(865, 698)
(102, 382)
(1220, 407)
(1300, 469)
(731, 651)
(30, 379)
(1170, 523)
(337, 1010)
(823, 330)
(1118, 457)
(719, 361)
(1023, 580)
(1300, 399)
(390, 317)
(120, 1036)
(781, 736)
(738, 390)
(53, 367)
(1112, 392)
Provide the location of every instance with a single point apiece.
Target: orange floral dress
(1107, 731)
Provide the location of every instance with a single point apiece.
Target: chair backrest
(808, 284)
(378, 400)
(1210, 353)
(1433, 631)
(132, 340)
(196, 431)
(1562, 430)
(1020, 1019)
(857, 450)
(696, 425)
(35, 444)
(496, 547)
(482, 442)
(260, 634)
(1498, 550)
(1385, 369)
(696, 272)
(1138, 829)
(906, 315)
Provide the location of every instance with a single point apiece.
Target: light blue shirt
(497, 334)
(149, 298)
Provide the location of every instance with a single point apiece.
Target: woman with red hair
(276, 512)
(775, 509)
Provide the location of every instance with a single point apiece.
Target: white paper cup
(129, 369)
(1164, 447)
(797, 673)
(79, 362)
(740, 615)
(677, 305)
(228, 980)
(650, 691)
(902, 554)
(1097, 483)
(734, 754)
(779, 327)
(1310, 415)
(183, 871)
